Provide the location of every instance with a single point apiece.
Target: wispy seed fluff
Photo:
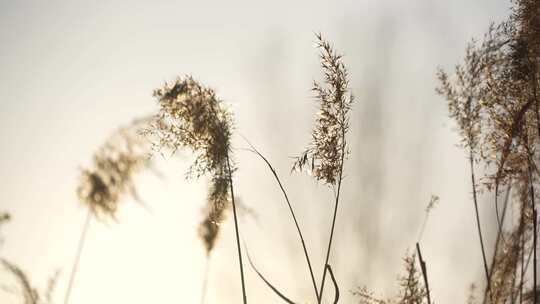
(215, 213)
(110, 176)
(327, 150)
(191, 116)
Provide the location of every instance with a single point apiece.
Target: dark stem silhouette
(236, 229)
(304, 247)
(336, 205)
(424, 272)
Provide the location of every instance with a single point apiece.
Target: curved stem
(244, 297)
(292, 214)
(336, 287)
(272, 287)
(78, 256)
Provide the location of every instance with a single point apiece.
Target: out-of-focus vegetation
(493, 96)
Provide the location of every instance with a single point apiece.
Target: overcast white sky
(73, 71)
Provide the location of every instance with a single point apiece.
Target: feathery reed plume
(326, 154)
(114, 164)
(411, 290)
(471, 299)
(368, 297)
(495, 103)
(110, 177)
(465, 107)
(191, 116)
(29, 294)
(324, 157)
(218, 203)
(4, 218)
(433, 201)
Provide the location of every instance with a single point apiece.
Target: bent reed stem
(304, 247)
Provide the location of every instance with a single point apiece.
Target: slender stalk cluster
(325, 156)
(494, 100)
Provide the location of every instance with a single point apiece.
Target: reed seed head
(327, 150)
(191, 116)
(111, 174)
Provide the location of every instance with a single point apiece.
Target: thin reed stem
(499, 220)
(522, 268)
(499, 238)
(244, 297)
(304, 247)
(535, 292)
(80, 247)
(319, 299)
(424, 272)
(475, 200)
(266, 281)
(336, 287)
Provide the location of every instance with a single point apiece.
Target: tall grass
(493, 99)
(492, 96)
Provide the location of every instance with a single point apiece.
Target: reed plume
(215, 213)
(494, 100)
(411, 290)
(325, 156)
(114, 165)
(4, 218)
(26, 290)
(191, 116)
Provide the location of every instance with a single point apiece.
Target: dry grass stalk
(494, 101)
(325, 156)
(293, 214)
(191, 116)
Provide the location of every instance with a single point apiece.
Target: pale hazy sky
(73, 71)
